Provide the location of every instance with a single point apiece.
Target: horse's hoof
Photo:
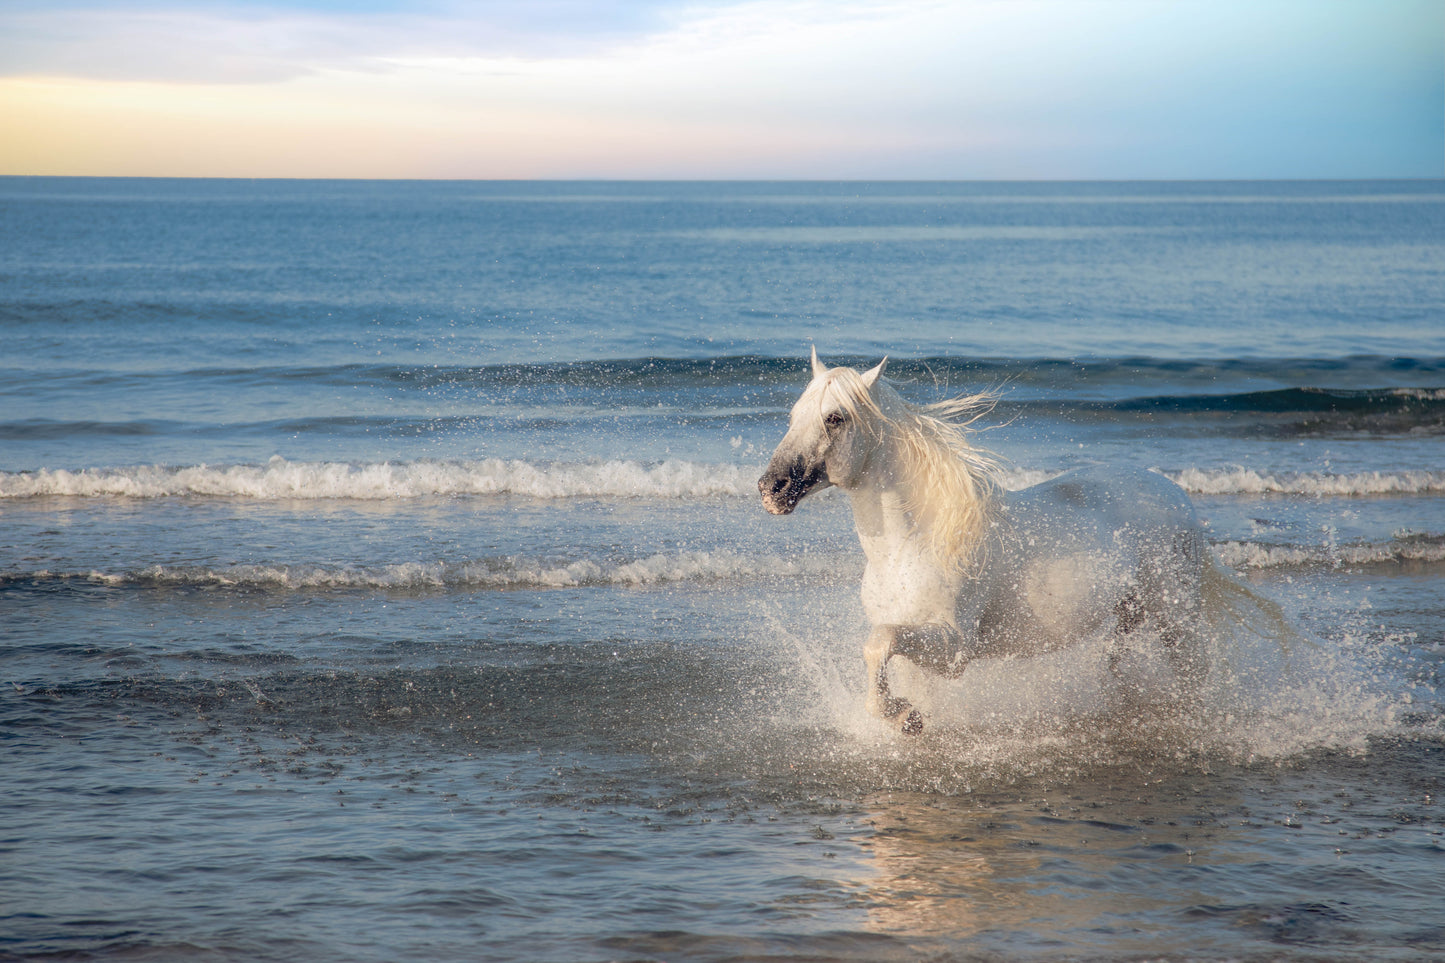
(913, 725)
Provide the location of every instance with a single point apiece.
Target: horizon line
(744, 180)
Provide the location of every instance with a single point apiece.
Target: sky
(724, 89)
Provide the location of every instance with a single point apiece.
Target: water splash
(1253, 697)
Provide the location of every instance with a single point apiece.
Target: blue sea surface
(382, 571)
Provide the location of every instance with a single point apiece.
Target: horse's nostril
(779, 484)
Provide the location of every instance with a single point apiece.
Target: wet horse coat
(958, 569)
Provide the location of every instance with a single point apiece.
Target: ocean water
(382, 573)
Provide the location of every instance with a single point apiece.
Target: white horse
(959, 569)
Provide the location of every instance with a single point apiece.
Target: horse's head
(831, 437)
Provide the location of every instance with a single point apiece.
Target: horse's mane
(951, 483)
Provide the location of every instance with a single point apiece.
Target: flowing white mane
(950, 484)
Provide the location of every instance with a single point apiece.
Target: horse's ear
(819, 368)
(871, 375)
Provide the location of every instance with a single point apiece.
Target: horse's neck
(903, 582)
(888, 530)
(885, 527)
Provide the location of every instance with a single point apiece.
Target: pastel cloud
(215, 42)
(1032, 88)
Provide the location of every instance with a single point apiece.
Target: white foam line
(280, 479)
(1245, 481)
(1256, 555)
(497, 573)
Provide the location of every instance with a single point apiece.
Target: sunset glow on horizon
(969, 90)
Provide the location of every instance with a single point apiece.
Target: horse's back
(1083, 544)
(1110, 503)
(1127, 495)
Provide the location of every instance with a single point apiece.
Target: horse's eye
(834, 419)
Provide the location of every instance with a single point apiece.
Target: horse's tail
(1230, 604)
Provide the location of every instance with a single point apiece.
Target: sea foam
(1405, 549)
(1246, 481)
(280, 479)
(500, 573)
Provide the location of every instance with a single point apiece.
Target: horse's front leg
(882, 645)
(931, 646)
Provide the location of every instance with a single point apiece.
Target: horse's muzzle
(783, 487)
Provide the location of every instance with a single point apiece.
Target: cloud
(757, 88)
(210, 42)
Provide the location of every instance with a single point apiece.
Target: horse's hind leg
(1129, 614)
(879, 648)
(1166, 606)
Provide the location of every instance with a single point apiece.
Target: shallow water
(382, 574)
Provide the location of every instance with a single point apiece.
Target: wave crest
(1247, 481)
(280, 479)
(1406, 549)
(510, 572)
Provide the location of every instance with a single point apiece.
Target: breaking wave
(280, 479)
(1405, 549)
(502, 573)
(1247, 481)
(516, 572)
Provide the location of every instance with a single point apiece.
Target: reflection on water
(1237, 863)
(1030, 873)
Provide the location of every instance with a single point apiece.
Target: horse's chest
(902, 588)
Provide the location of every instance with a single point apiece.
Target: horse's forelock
(838, 388)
